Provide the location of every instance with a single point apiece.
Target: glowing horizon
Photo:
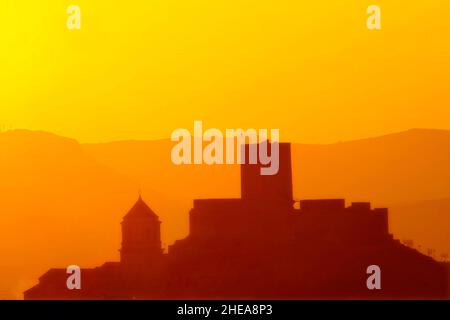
(142, 69)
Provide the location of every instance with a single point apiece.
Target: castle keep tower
(141, 237)
(272, 190)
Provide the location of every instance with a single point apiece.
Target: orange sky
(140, 69)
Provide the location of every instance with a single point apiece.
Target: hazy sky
(140, 69)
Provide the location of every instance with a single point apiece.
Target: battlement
(324, 205)
(333, 220)
(216, 204)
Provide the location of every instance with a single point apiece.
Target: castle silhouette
(259, 246)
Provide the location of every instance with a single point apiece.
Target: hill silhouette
(259, 246)
(53, 189)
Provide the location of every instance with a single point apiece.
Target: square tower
(269, 190)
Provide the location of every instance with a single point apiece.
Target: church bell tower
(141, 238)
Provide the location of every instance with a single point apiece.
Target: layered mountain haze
(76, 194)
(395, 168)
(424, 222)
(54, 201)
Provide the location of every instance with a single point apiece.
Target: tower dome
(141, 237)
(140, 210)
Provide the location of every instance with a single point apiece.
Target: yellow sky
(139, 69)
